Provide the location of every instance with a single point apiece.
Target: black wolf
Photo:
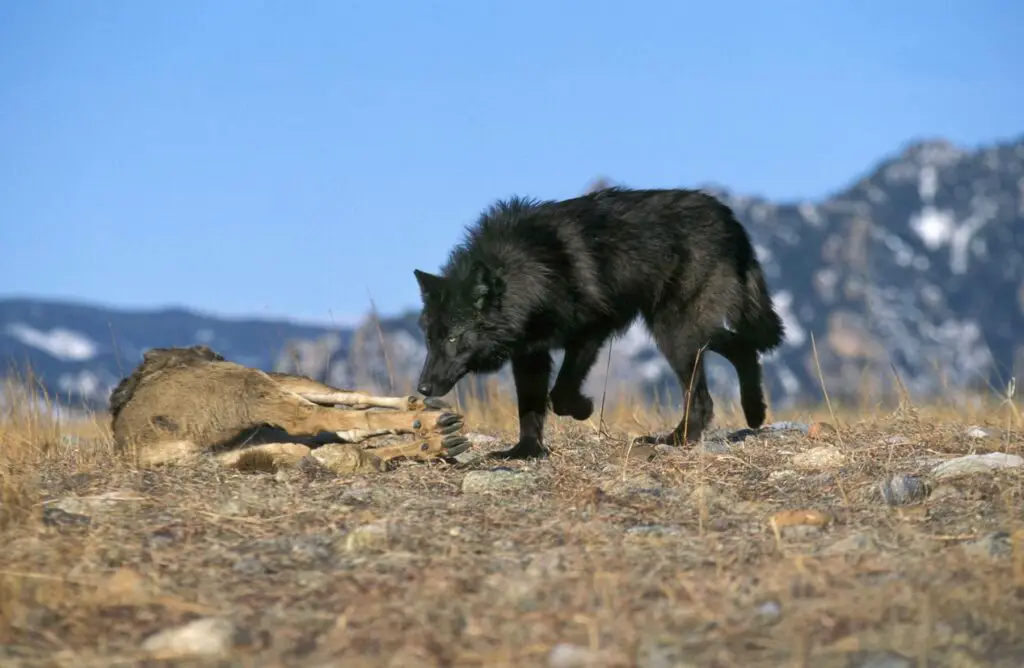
(534, 275)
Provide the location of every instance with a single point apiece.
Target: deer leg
(298, 416)
(361, 400)
(268, 456)
(429, 448)
(321, 393)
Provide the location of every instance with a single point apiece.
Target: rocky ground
(890, 543)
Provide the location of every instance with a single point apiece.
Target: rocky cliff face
(917, 267)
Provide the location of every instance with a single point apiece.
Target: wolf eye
(452, 345)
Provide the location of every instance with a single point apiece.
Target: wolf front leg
(567, 396)
(531, 372)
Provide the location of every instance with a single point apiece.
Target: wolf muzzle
(437, 382)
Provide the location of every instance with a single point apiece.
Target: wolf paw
(527, 448)
(576, 405)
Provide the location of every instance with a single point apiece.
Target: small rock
(969, 464)
(348, 458)
(782, 474)
(901, 489)
(496, 480)
(209, 637)
(564, 655)
(471, 456)
(976, 432)
(477, 440)
(367, 538)
(820, 457)
(769, 612)
(894, 440)
(995, 545)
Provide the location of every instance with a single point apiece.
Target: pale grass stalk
(383, 343)
(824, 391)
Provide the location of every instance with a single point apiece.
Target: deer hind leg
(264, 457)
(167, 452)
(439, 429)
(428, 448)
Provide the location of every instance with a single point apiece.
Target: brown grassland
(601, 555)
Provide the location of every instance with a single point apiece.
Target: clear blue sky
(158, 153)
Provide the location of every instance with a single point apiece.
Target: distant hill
(918, 266)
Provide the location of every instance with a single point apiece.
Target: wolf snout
(426, 389)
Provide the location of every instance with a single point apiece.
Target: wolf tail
(759, 323)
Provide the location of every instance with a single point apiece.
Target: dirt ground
(843, 547)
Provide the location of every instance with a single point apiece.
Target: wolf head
(462, 325)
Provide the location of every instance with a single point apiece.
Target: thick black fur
(533, 276)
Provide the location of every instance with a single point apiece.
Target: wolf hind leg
(679, 337)
(744, 359)
(567, 396)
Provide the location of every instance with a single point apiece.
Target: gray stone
(902, 489)
(969, 464)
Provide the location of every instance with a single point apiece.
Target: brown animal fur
(182, 402)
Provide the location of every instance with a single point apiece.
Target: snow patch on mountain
(64, 344)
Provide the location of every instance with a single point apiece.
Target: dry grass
(664, 558)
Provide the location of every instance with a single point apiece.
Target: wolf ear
(487, 286)
(429, 283)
